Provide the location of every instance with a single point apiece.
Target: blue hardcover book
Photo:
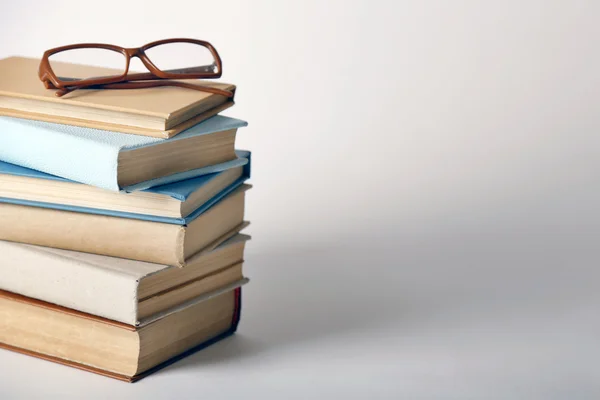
(119, 161)
(165, 225)
(175, 203)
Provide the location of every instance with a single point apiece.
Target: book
(174, 202)
(132, 292)
(115, 161)
(110, 348)
(158, 112)
(136, 239)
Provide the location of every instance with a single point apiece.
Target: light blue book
(175, 203)
(118, 161)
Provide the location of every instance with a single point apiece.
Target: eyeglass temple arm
(142, 76)
(148, 84)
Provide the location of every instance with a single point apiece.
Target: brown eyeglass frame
(154, 78)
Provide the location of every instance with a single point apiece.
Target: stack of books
(120, 220)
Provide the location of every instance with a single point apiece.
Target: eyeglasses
(165, 59)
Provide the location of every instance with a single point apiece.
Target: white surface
(425, 213)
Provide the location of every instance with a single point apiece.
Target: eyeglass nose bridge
(141, 55)
(135, 52)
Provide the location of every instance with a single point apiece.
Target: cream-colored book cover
(157, 112)
(135, 239)
(127, 291)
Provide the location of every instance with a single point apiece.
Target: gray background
(425, 211)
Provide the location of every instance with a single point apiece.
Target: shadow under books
(300, 296)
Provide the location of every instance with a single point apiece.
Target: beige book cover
(157, 112)
(111, 348)
(134, 239)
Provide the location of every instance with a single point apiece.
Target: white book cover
(99, 285)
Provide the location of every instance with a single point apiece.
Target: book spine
(69, 282)
(237, 311)
(98, 234)
(36, 145)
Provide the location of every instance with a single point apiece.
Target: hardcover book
(115, 161)
(110, 348)
(158, 112)
(136, 239)
(176, 202)
(132, 292)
